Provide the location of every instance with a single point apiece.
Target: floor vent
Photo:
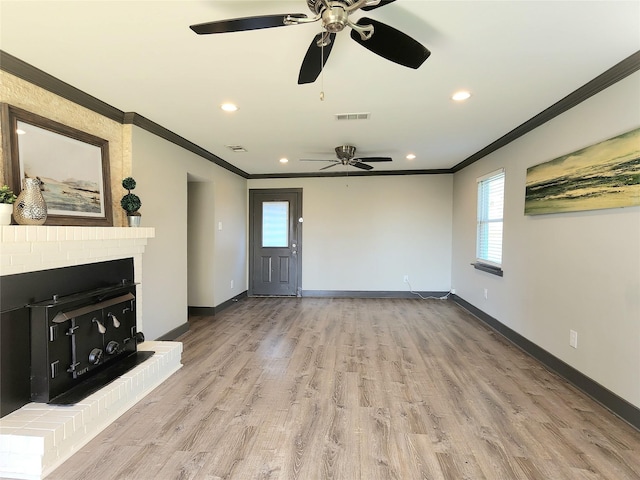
(352, 116)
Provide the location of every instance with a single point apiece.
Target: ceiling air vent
(236, 148)
(352, 116)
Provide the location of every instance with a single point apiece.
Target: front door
(274, 241)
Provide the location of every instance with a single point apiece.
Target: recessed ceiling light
(229, 107)
(411, 156)
(284, 160)
(460, 96)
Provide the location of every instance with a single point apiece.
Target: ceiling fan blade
(381, 4)
(392, 44)
(373, 159)
(363, 166)
(244, 23)
(329, 166)
(315, 160)
(311, 66)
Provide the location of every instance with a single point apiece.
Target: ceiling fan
(346, 156)
(375, 36)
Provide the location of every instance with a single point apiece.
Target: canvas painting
(70, 171)
(604, 175)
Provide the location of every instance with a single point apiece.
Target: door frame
(296, 238)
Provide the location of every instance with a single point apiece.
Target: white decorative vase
(6, 209)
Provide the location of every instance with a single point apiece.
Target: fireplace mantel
(33, 248)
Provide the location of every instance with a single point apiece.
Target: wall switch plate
(231, 283)
(486, 293)
(573, 338)
(219, 225)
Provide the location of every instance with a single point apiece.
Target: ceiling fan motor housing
(345, 152)
(334, 19)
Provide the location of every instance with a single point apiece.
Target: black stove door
(87, 342)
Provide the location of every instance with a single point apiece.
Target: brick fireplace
(37, 437)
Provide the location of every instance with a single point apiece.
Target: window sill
(485, 267)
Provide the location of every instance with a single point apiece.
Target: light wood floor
(346, 389)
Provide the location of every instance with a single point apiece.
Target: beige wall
(571, 271)
(27, 96)
(366, 233)
(185, 195)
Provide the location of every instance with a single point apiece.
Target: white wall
(578, 271)
(366, 233)
(162, 171)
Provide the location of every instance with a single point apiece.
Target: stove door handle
(116, 322)
(101, 328)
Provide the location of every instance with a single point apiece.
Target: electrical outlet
(453, 291)
(406, 279)
(573, 338)
(486, 294)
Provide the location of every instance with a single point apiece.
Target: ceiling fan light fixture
(461, 96)
(284, 160)
(229, 107)
(411, 156)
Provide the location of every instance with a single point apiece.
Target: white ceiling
(516, 57)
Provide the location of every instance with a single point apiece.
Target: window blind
(490, 212)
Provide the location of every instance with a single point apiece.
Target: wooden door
(274, 241)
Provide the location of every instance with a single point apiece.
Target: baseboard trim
(210, 311)
(370, 294)
(617, 405)
(202, 311)
(175, 333)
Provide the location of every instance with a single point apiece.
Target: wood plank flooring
(349, 389)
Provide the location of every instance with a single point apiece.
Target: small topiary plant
(7, 195)
(130, 202)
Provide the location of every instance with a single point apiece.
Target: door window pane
(275, 224)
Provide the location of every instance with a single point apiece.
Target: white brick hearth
(37, 438)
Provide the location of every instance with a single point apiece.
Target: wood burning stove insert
(82, 341)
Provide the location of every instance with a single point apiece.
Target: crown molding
(621, 70)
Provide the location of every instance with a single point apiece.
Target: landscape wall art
(604, 175)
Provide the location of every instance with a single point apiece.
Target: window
(275, 224)
(490, 208)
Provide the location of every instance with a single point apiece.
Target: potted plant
(7, 198)
(131, 203)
